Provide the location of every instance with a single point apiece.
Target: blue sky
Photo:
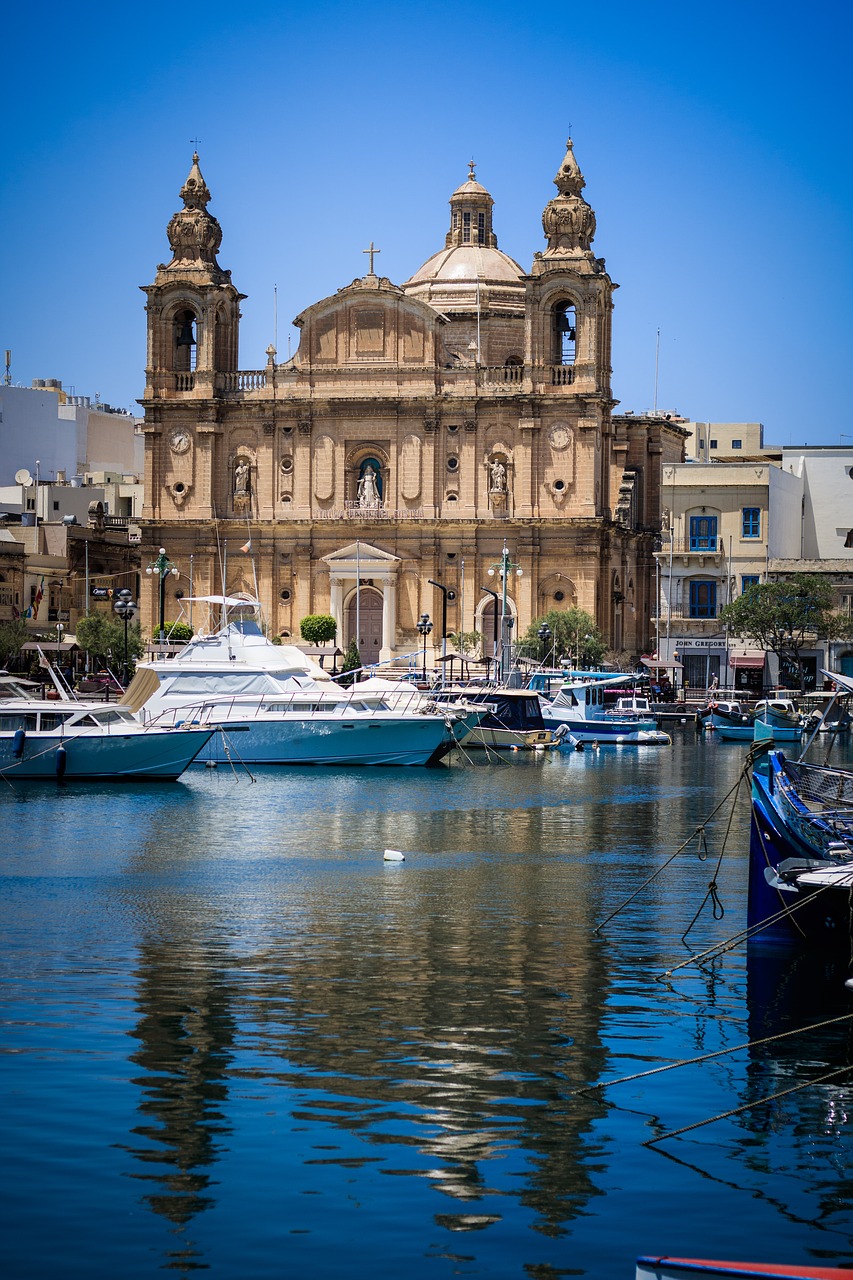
(715, 142)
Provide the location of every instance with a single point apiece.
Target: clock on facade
(559, 436)
(179, 441)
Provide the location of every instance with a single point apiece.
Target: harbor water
(236, 1040)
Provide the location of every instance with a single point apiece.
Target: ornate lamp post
(424, 627)
(126, 608)
(164, 567)
(505, 567)
(544, 634)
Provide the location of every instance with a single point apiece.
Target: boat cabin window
(50, 720)
(12, 721)
(113, 716)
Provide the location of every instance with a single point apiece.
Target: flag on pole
(247, 547)
(33, 611)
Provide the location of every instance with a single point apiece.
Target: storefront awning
(747, 659)
(654, 664)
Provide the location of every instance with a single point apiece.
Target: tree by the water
(787, 617)
(575, 638)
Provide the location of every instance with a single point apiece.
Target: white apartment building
(47, 429)
(723, 525)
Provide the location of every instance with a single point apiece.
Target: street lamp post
(504, 567)
(544, 634)
(424, 627)
(443, 591)
(164, 567)
(126, 608)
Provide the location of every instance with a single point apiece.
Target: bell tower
(570, 294)
(193, 308)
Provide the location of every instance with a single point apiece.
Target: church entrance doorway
(368, 611)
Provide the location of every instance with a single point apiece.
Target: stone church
(422, 435)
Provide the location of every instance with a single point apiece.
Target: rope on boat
(697, 834)
(716, 1053)
(228, 747)
(748, 1106)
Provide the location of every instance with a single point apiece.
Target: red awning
(747, 661)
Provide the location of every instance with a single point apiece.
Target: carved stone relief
(410, 467)
(324, 468)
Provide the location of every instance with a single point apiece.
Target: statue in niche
(241, 478)
(368, 491)
(497, 471)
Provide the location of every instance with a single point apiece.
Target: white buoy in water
(394, 855)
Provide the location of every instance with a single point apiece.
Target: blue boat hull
(797, 912)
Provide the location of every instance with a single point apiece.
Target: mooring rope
(697, 834)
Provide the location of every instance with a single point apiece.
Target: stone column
(389, 620)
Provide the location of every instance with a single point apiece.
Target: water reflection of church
(417, 428)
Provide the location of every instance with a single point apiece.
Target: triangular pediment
(364, 553)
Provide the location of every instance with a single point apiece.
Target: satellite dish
(23, 477)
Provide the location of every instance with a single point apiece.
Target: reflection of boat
(281, 708)
(513, 717)
(801, 849)
(651, 1268)
(580, 706)
(83, 741)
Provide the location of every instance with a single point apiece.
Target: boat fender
(61, 761)
(18, 743)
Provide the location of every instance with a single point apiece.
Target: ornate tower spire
(568, 221)
(194, 234)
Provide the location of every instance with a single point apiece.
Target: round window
(452, 464)
(559, 486)
(450, 497)
(284, 595)
(453, 426)
(287, 465)
(451, 555)
(180, 487)
(559, 595)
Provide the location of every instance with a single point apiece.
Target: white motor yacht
(275, 705)
(88, 741)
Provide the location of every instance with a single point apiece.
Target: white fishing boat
(581, 707)
(277, 706)
(89, 741)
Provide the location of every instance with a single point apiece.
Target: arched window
(186, 341)
(565, 333)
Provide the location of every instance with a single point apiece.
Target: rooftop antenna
(7, 381)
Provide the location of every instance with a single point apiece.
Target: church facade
(423, 434)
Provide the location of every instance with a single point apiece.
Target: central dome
(470, 273)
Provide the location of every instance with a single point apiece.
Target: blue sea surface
(235, 1039)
